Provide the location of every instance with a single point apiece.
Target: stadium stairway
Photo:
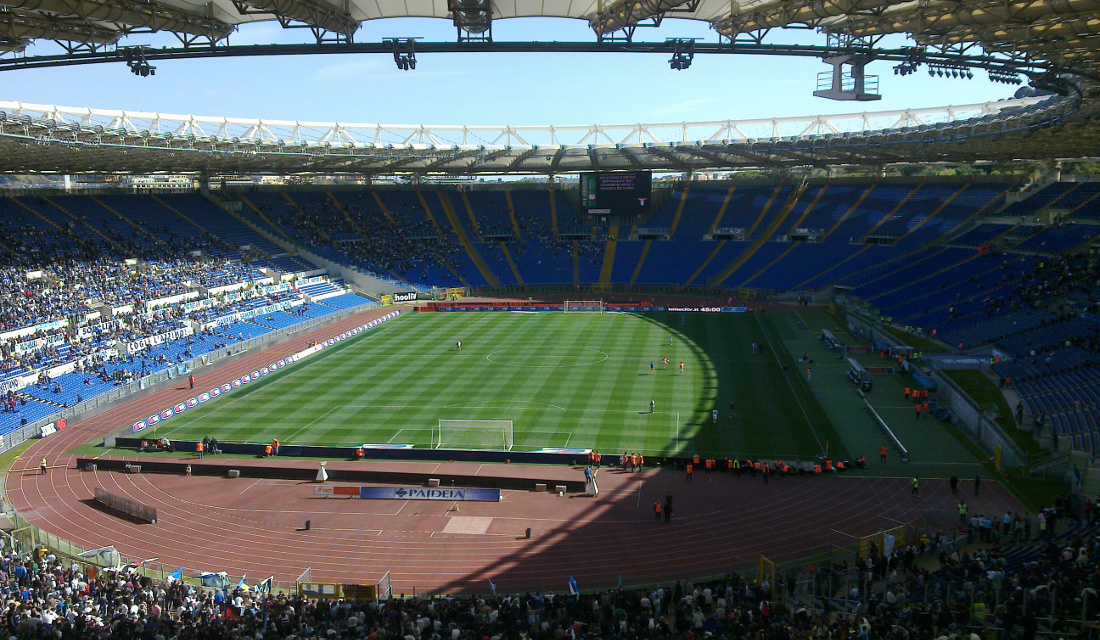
(553, 214)
(424, 205)
(80, 221)
(511, 263)
(304, 216)
(795, 245)
(260, 214)
(609, 255)
(721, 213)
(511, 213)
(969, 220)
(762, 238)
(576, 265)
(471, 250)
(713, 254)
(175, 211)
(679, 212)
(34, 212)
(385, 210)
(428, 212)
(344, 212)
(891, 213)
(470, 213)
(122, 217)
(641, 261)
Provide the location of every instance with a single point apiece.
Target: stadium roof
(1064, 30)
(1053, 44)
(46, 138)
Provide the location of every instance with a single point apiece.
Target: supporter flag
(493, 588)
(175, 575)
(573, 587)
(243, 584)
(265, 586)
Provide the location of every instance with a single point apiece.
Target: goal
(490, 435)
(583, 305)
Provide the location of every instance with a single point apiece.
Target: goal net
(583, 305)
(491, 435)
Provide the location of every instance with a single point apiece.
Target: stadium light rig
(135, 59)
(404, 52)
(683, 52)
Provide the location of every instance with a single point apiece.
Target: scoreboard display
(617, 192)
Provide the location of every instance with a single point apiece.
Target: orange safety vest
(641, 460)
(689, 469)
(657, 507)
(267, 450)
(695, 460)
(817, 468)
(882, 450)
(710, 463)
(729, 464)
(634, 459)
(199, 447)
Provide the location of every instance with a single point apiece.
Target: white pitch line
(315, 421)
(793, 392)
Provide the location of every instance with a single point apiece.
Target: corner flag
(573, 587)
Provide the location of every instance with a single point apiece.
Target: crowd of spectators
(929, 589)
(365, 237)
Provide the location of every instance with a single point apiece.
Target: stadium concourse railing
(95, 405)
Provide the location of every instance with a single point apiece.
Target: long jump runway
(256, 527)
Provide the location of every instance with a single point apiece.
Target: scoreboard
(617, 193)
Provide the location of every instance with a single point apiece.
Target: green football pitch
(576, 380)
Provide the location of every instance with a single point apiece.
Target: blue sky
(519, 89)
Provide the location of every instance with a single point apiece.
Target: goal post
(488, 435)
(583, 305)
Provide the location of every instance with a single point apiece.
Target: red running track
(255, 527)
